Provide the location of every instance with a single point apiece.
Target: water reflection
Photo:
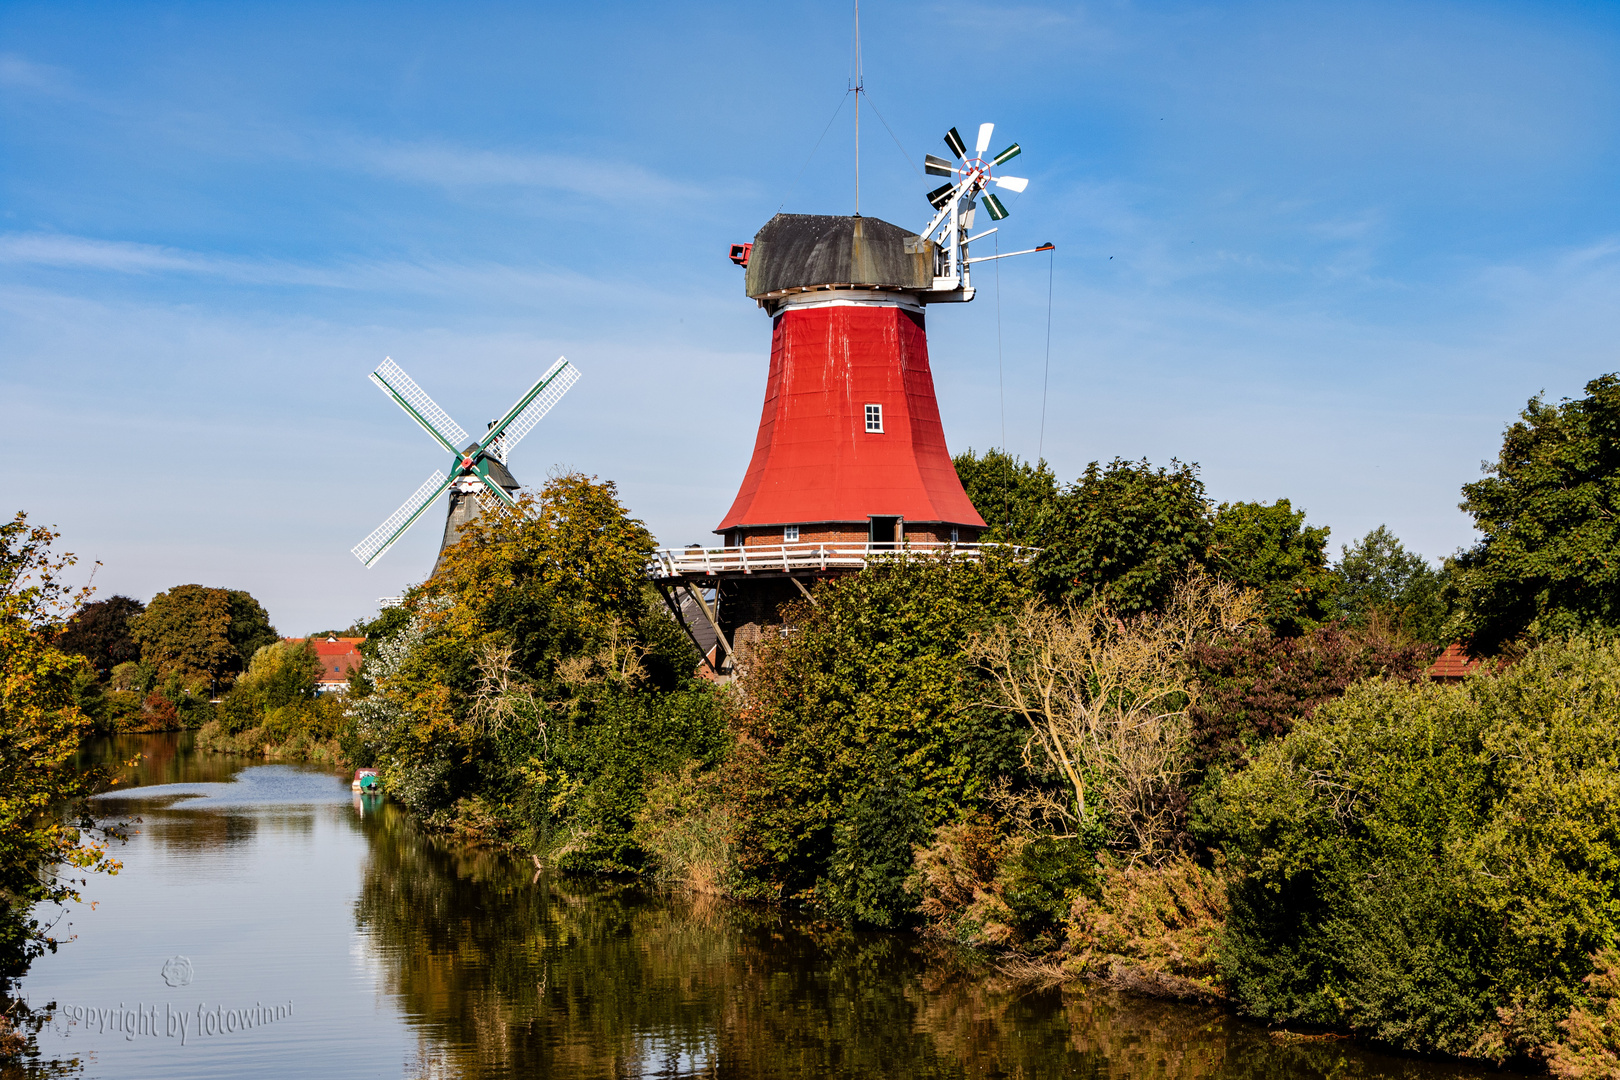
(411, 954)
(510, 973)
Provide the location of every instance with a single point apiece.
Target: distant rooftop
(1453, 665)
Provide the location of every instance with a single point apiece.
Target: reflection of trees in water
(20, 1057)
(188, 831)
(166, 758)
(177, 830)
(572, 976)
(172, 826)
(1158, 1040)
(503, 974)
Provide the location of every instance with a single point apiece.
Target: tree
(1379, 577)
(200, 633)
(1255, 687)
(1126, 533)
(250, 628)
(871, 689)
(1270, 549)
(1432, 866)
(1549, 560)
(1106, 700)
(99, 632)
(40, 730)
(536, 681)
(1016, 499)
(282, 673)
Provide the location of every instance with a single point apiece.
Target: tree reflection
(506, 972)
(509, 972)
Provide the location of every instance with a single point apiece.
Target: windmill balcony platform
(685, 564)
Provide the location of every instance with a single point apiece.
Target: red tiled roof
(338, 657)
(1454, 663)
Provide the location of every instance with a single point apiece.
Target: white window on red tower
(874, 418)
(790, 534)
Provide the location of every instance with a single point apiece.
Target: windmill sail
(383, 536)
(478, 470)
(415, 401)
(532, 407)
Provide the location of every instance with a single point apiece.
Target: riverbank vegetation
(44, 853)
(1182, 750)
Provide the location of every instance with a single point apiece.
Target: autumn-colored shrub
(1254, 687)
(1590, 1047)
(978, 884)
(1152, 928)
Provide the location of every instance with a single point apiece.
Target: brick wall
(849, 532)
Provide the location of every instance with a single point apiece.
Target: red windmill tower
(850, 458)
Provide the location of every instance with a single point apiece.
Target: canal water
(269, 923)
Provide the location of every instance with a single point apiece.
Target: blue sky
(1325, 251)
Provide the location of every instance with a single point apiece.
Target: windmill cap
(797, 251)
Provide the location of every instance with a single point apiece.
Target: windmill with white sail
(477, 471)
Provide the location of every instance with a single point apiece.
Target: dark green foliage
(1380, 580)
(1040, 881)
(250, 628)
(1272, 550)
(870, 687)
(601, 759)
(1255, 688)
(99, 632)
(1432, 866)
(1127, 533)
(872, 856)
(1549, 562)
(1016, 499)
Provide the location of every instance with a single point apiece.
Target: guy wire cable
(813, 150)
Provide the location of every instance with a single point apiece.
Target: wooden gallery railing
(787, 558)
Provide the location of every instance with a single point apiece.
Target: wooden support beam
(675, 610)
(804, 590)
(697, 596)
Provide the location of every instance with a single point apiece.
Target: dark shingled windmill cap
(798, 251)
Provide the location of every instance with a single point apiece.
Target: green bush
(1432, 866)
(871, 687)
(872, 857)
(582, 802)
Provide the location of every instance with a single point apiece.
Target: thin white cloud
(83, 253)
(20, 74)
(483, 282)
(449, 166)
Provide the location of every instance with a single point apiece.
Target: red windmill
(850, 457)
